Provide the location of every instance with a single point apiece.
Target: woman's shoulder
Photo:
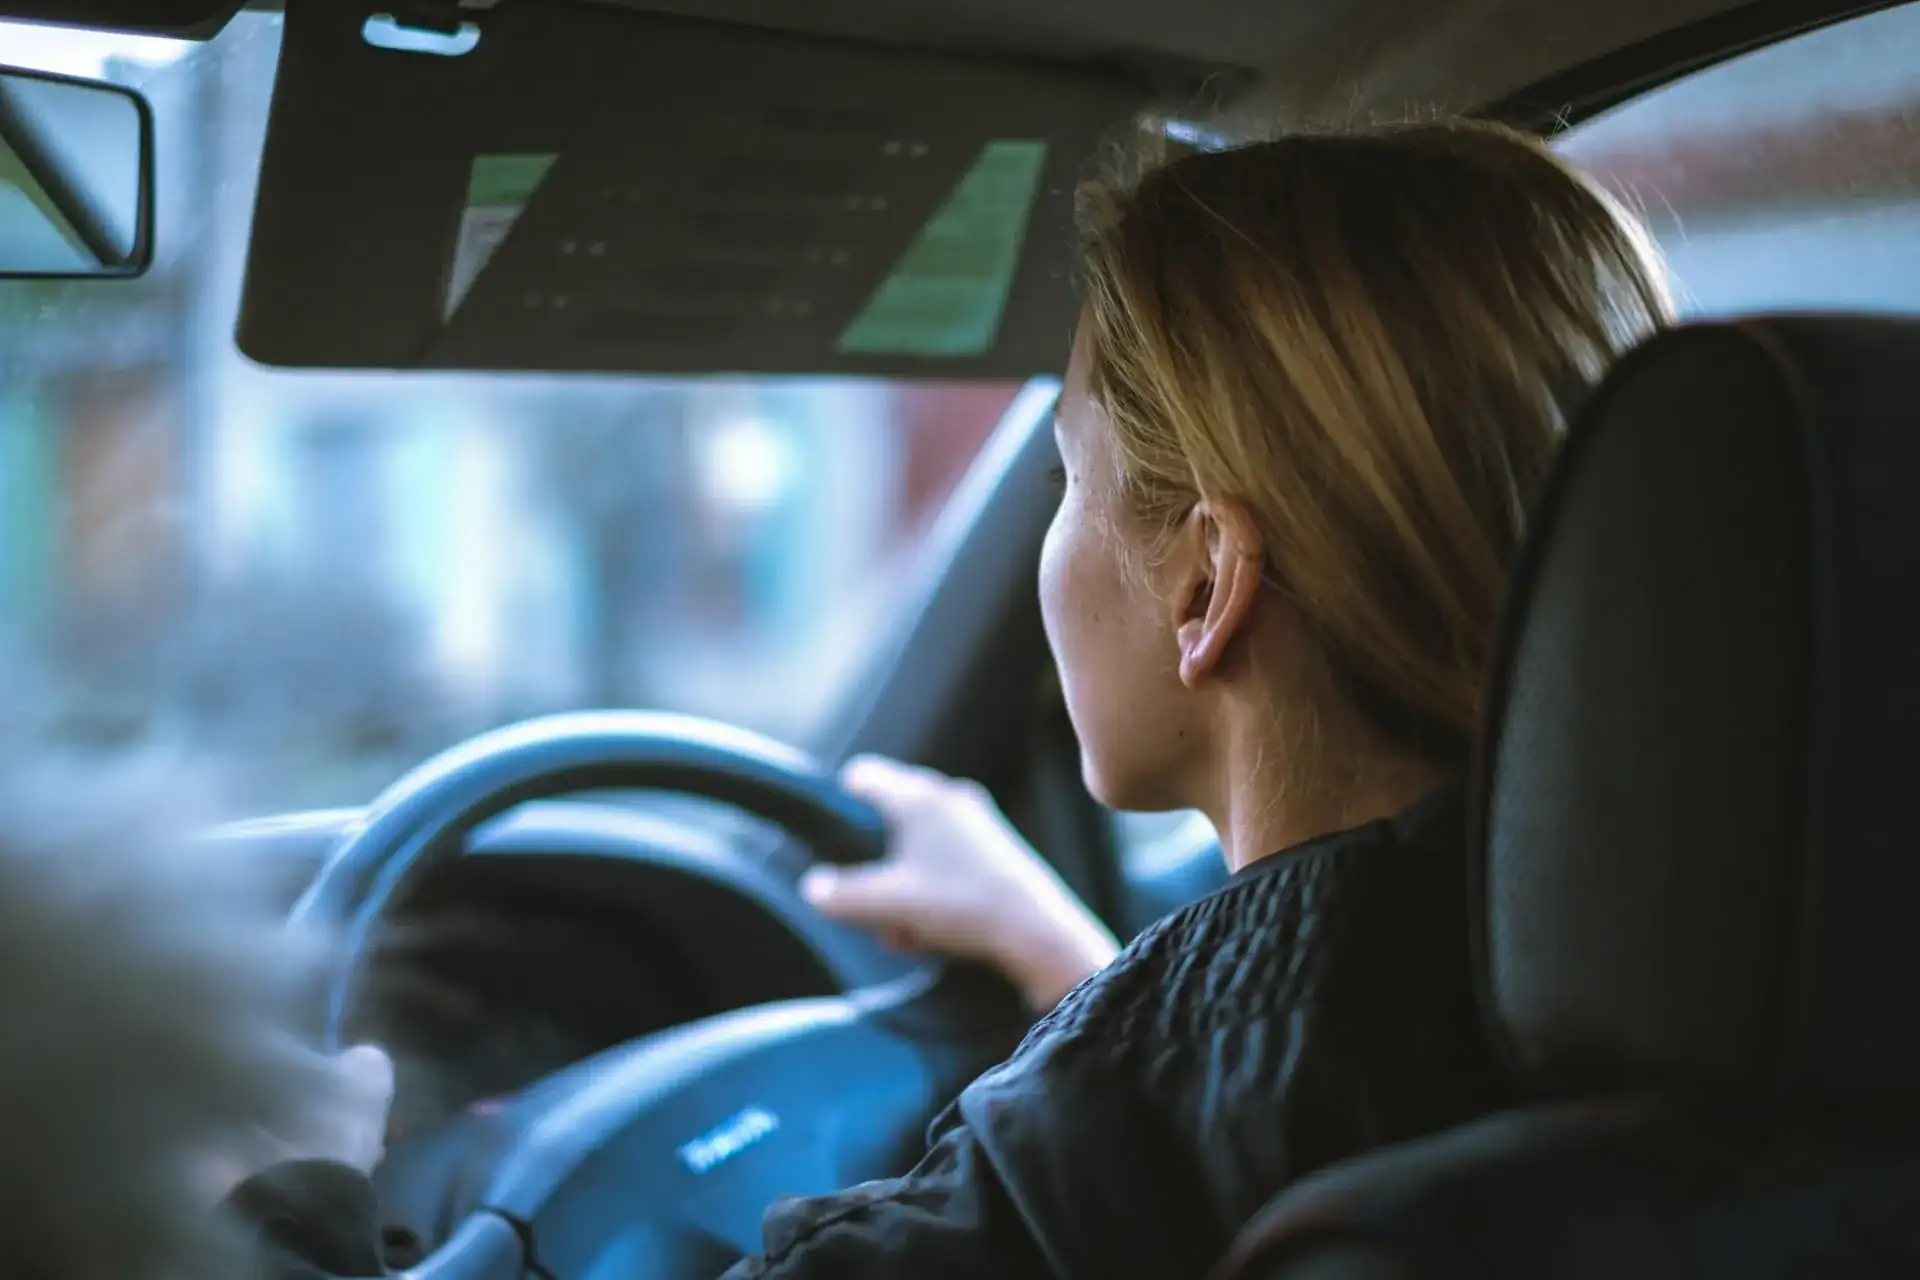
(1360, 908)
(1309, 1009)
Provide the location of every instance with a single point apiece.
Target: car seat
(1696, 880)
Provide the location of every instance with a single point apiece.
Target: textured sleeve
(312, 1220)
(952, 1216)
(1050, 1165)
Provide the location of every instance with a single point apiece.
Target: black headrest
(1695, 811)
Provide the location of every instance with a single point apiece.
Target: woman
(1315, 385)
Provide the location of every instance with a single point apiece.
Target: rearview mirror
(76, 178)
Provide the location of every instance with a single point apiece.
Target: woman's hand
(959, 881)
(349, 1123)
(356, 1134)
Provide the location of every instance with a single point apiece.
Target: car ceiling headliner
(1286, 61)
(1308, 60)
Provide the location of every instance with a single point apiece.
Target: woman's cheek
(1051, 584)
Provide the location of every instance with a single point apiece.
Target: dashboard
(569, 927)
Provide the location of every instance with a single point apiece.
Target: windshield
(325, 577)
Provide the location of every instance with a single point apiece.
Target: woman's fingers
(368, 1074)
(895, 789)
(897, 905)
(369, 1071)
(877, 896)
(868, 901)
(957, 880)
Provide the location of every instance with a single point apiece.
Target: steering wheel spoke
(710, 1122)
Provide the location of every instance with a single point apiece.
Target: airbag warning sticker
(498, 190)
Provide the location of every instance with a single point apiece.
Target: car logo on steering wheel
(727, 1139)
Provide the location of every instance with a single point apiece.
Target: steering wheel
(666, 1150)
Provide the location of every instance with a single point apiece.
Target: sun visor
(563, 186)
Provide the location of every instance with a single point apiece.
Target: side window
(1166, 861)
(1149, 840)
(1784, 179)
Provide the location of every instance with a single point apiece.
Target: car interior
(575, 915)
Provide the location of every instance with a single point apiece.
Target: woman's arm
(316, 1220)
(952, 1216)
(1051, 1165)
(311, 1220)
(307, 1206)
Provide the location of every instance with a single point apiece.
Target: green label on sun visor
(946, 295)
(498, 190)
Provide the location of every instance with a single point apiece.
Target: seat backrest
(1598, 1191)
(1697, 886)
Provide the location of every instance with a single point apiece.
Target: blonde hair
(1373, 340)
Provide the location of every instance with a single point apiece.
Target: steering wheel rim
(945, 1014)
(421, 821)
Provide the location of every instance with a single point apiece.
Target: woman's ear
(1221, 583)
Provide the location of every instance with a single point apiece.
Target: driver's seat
(1698, 884)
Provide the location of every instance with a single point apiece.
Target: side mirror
(76, 178)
